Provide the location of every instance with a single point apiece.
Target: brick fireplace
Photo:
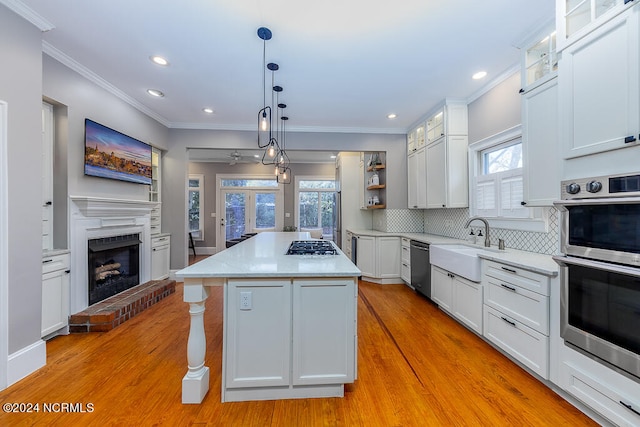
(99, 224)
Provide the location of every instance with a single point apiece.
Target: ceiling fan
(235, 157)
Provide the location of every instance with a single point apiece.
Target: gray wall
(495, 111)
(175, 169)
(209, 170)
(21, 88)
(85, 99)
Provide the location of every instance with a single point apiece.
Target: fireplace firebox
(114, 266)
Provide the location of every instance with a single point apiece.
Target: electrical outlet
(245, 300)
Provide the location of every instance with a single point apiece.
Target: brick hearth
(114, 311)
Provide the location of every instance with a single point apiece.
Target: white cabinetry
(155, 191)
(160, 256)
(378, 258)
(416, 138)
(417, 179)
(447, 183)
(541, 144)
(458, 296)
(577, 18)
(516, 314)
(598, 83)
(55, 293)
(405, 260)
(288, 336)
(366, 255)
(610, 394)
(447, 172)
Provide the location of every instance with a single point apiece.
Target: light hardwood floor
(416, 367)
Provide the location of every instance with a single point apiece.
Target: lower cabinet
(55, 293)
(160, 257)
(378, 258)
(458, 296)
(405, 260)
(610, 394)
(297, 334)
(516, 314)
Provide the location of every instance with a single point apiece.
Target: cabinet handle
(509, 270)
(509, 321)
(508, 287)
(67, 271)
(629, 139)
(625, 2)
(47, 260)
(626, 405)
(521, 91)
(523, 203)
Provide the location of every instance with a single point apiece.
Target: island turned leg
(195, 383)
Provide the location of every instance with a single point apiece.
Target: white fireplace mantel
(93, 218)
(100, 207)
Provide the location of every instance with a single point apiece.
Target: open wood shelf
(376, 207)
(376, 187)
(375, 168)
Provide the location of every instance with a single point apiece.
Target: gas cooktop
(311, 247)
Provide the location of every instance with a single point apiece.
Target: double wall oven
(600, 269)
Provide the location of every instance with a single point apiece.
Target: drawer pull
(67, 271)
(509, 321)
(510, 270)
(47, 260)
(629, 407)
(508, 287)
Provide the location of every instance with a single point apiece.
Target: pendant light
(264, 115)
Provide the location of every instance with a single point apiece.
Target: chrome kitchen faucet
(487, 241)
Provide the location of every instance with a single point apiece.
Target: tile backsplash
(450, 223)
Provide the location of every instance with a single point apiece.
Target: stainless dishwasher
(420, 268)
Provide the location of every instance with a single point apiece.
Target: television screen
(111, 154)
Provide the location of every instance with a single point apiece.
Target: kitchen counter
(289, 321)
(264, 256)
(532, 261)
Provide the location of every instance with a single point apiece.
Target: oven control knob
(573, 188)
(594, 186)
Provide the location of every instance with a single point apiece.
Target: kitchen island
(289, 321)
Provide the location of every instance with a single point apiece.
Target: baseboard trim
(206, 250)
(26, 361)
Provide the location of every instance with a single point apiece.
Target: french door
(248, 211)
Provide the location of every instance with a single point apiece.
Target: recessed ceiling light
(159, 60)
(155, 92)
(333, 156)
(479, 75)
(392, 116)
(257, 156)
(208, 110)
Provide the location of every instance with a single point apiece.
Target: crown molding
(85, 72)
(29, 14)
(302, 129)
(515, 68)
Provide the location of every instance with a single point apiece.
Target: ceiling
(344, 64)
(232, 156)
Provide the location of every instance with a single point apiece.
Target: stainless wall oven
(600, 269)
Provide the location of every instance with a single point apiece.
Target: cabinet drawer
(529, 308)
(406, 254)
(54, 263)
(405, 272)
(160, 241)
(529, 347)
(535, 282)
(595, 393)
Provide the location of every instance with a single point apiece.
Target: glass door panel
(235, 207)
(264, 216)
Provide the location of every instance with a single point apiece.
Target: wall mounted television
(114, 155)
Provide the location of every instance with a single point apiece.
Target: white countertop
(539, 263)
(263, 255)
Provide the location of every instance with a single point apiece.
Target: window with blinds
(499, 182)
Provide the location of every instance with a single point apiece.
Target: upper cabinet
(416, 138)
(598, 86)
(437, 170)
(540, 140)
(155, 190)
(577, 18)
(539, 60)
